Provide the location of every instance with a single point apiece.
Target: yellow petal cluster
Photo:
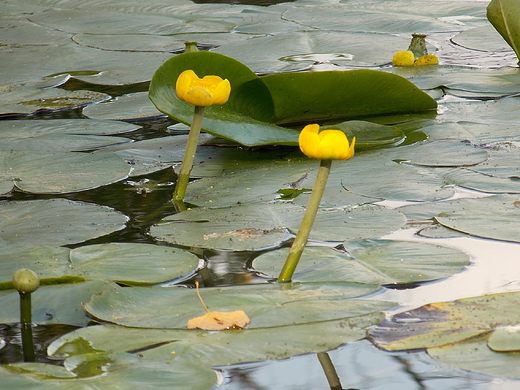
(406, 58)
(325, 145)
(205, 91)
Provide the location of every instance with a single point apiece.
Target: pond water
(146, 199)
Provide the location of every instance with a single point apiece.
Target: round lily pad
(489, 217)
(62, 134)
(27, 224)
(256, 226)
(132, 264)
(382, 262)
(60, 172)
(267, 305)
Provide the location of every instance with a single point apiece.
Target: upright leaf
(504, 15)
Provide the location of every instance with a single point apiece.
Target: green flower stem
(26, 327)
(189, 154)
(308, 219)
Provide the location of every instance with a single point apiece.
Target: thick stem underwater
(26, 327)
(189, 154)
(308, 220)
(330, 371)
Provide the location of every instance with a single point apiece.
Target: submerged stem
(189, 154)
(26, 327)
(308, 220)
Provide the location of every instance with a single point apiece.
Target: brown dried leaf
(214, 320)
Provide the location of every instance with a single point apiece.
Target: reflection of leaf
(214, 320)
(504, 15)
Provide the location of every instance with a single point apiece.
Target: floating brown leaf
(214, 320)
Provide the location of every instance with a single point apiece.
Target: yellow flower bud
(325, 145)
(202, 92)
(403, 58)
(428, 59)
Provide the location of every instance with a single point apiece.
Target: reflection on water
(43, 335)
(359, 365)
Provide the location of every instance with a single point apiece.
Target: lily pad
(489, 217)
(218, 348)
(445, 323)
(51, 264)
(129, 107)
(267, 305)
(29, 99)
(132, 264)
(251, 227)
(100, 370)
(350, 94)
(27, 224)
(477, 357)
(59, 304)
(256, 104)
(382, 262)
(60, 172)
(62, 134)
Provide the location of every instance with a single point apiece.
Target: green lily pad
(244, 118)
(382, 262)
(51, 264)
(252, 227)
(59, 304)
(489, 217)
(132, 264)
(129, 107)
(100, 370)
(28, 99)
(445, 323)
(267, 305)
(255, 104)
(505, 339)
(62, 134)
(218, 348)
(368, 134)
(27, 224)
(477, 357)
(60, 172)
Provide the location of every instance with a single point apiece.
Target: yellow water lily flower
(406, 58)
(403, 58)
(325, 145)
(204, 91)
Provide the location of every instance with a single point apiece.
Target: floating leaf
(440, 324)
(59, 304)
(490, 217)
(27, 224)
(267, 305)
(475, 356)
(251, 227)
(100, 370)
(383, 262)
(62, 134)
(216, 320)
(132, 264)
(60, 172)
